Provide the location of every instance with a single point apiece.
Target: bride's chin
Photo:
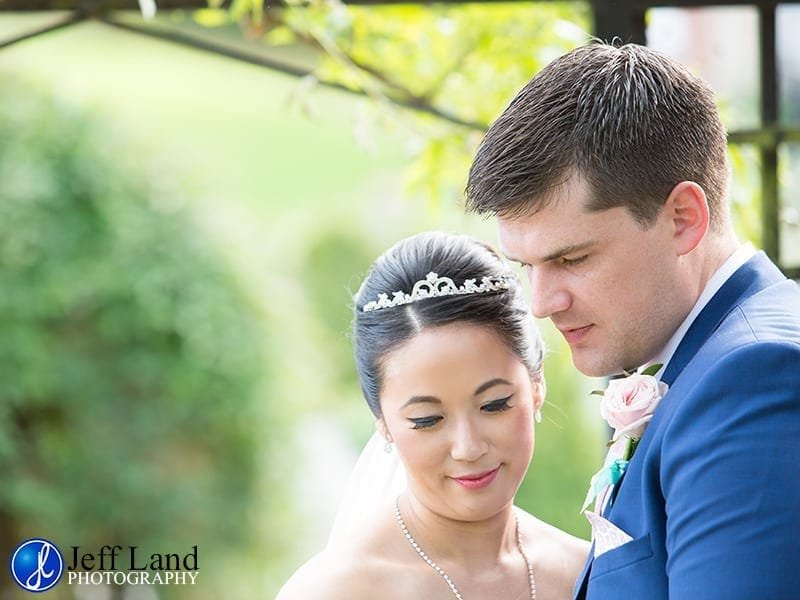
(487, 512)
(454, 501)
(479, 509)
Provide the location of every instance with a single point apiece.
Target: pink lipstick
(478, 480)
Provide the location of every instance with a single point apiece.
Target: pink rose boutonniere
(627, 406)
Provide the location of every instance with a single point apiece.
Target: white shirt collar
(742, 254)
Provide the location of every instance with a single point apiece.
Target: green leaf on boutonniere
(597, 393)
(632, 443)
(652, 369)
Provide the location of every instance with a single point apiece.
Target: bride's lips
(576, 334)
(477, 480)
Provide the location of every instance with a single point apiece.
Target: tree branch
(71, 19)
(416, 104)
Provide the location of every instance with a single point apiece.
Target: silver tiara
(434, 286)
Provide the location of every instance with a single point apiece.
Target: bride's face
(459, 407)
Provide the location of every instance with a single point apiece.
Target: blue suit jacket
(712, 494)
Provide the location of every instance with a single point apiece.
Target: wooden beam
(622, 20)
(707, 3)
(96, 6)
(768, 78)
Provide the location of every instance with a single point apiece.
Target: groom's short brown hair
(631, 121)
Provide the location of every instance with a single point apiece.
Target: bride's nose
(468, 443)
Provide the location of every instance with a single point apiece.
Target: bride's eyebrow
(421, 400)
(490, 384)
(434, 400)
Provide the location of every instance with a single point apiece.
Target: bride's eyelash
(497, 405)
(494, 406)
(424, 422)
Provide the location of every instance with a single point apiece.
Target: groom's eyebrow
(570, 249)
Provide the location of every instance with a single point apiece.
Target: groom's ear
(686, 208)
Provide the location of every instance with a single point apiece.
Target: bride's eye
(424, 422)
(497, 405)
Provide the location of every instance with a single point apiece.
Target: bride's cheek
(524, 435)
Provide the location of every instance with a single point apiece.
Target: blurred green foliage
(570, 442)
(129, 357)
(745, 192)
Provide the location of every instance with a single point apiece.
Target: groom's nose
(548, 293)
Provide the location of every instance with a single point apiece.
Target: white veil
(376, 480)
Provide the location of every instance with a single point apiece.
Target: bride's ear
(539, 391)
(380, 425)
(542, 391)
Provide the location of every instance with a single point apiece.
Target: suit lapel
(579, 591)
(756, 274)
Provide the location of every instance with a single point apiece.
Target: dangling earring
(537, 415)
(387, 447)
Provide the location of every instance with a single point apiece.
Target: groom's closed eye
(572, 261)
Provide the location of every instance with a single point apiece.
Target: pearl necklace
(440, 571)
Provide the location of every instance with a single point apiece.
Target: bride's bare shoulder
(362, 570)
(334, 576)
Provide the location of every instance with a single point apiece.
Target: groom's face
(608, 284)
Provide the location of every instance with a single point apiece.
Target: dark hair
(631, 121)
(458, 257)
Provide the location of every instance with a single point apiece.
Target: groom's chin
(592, 365)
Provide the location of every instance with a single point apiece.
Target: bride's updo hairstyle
(459, 258)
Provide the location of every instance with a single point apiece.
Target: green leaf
(633, 442)
(597, 393)
(280, 36)
(652, 369)
(211, 17)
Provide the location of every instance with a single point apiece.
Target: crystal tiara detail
(434, 286)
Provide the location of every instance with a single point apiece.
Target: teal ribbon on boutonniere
(627, 406)
(609, 475)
